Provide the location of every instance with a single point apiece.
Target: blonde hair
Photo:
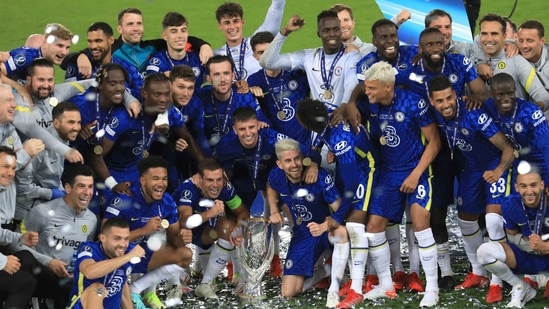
(380, 71)
(59, 31)
(285, 145)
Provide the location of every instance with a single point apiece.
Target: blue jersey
(401, 64)
(130, 136)
(355, 161)
(516, 216)
(313, 207)
(218, 115)
(458, 68)
(526, 128)
(19, 60)
(137, 212)
(133, 84)
(188, 194)
(162, 62)
(400, 125)
(470, 132)
(280, 101)
(113, 281)
(193, 115)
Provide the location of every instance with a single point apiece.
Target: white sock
(443, 259)
(371, 268)
(494, 226)
(359, 253)
(319, 274)
(203, 257)
(413, 249)
(392, 233)
(379, 249)
(472, 239)
(339, 261)
(428, 253)
(152, 278)
(492, 256)
(220, 255)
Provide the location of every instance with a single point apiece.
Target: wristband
(110, 182)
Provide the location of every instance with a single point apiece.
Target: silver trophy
(255, 255)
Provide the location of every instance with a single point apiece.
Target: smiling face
(444, 101)
(115, 241)
(41, 82)
(182, 91)
(80, 193)
(530, 44)
(504, 96)
(68, 125)
(290, 162)
(432, 49)
(378, 92)
(57, 50)
(156, 97)
(347, 25)
(247, 132)
(99, 45)
(176, 37)
(7, 104)
(221, 76)
(154, 183)
(386, 41)
(212, 182)
(231, 27)
(112, 88)
(443, 24)
(329, 33)
(530, 186)
(131, 28)
(8, 165)
(492, 38)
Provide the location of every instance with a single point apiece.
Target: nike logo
(283, 194)
(53, 161)
(56, 225)
(521, 224)
(135, 219)
(495, 195)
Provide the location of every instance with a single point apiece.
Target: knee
(489, 252)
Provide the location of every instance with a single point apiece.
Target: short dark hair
(244, 114)
(155, 77)
(182, 71)
(114, 222)
(261, 37)
(210, 164)
(72, 171)
(128, 11)
(38, 62)
(229, 9)
(429, 31)
(173, 19)
(496, 18)
(342, 7)
(219, 59)
(438, 83)
(326, 14)
(8, 150)
(382, 22)
(501, 78)
(510, 22)
(102, 73)
(312, 114)
(151, 162)
(435, 14)
(103, 26)
(533, 24)
(62, 107)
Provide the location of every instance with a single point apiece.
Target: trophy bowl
(255, 255)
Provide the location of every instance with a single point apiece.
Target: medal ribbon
(240, 71)
(271, 89)
(327, 78)
(227, 112)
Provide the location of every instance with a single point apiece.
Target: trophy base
(252, 292)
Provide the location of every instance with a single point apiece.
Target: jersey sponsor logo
(19, 60)
(44, 123)
(466, 61)
(399, 116)
(422, 104)
(328, 179)
(518, 127)
(280, 136)
(340, 146)
(155, 61)
(482, 118)
(66, 242)
(537, 115)
(293, 84)
(501, 65)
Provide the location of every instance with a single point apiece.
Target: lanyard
(146, 141)
(101, 125)
(327, 77)
(540, 214)
(240, 72)
(426, 81)
(510, 126)
(227, 113)
(319, 139)
(453, 145)
(278, 101)
(185, 59)
(257, 159)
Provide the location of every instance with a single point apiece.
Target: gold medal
(165, 223)
(281, 115)
(213, 234)
(299, 220)
(516, 154)
(306, 161)
(383, 140)
(145, 153)
(98, 149)
(327, 95)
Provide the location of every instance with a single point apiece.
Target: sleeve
(43, 259)
(478, 54)
(34, 220)
(71, 58)
(530, 81)
(3, 261)
(196, 43)
(485, 124)
(27, 188)
(117, 206)
(7, 236)
(18, 61)
(365, 63)
(24, 123)
(71, 73)
(135, 82)
(273, 60)
(118, 125)
(506, 213)
(170, 205)
(153, 65)
(538, 123)
(350, 79)
(346, 165)
(273, 18)
(183, 195)
(468, 69)
(66, 91)
(175, 118)
(423, 110)
(232, 199)
(330, 192)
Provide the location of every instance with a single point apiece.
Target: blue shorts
(363, 194)
(528, 263)
(474, 193)
(300, 260)
(143, 265)
(387, 200)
